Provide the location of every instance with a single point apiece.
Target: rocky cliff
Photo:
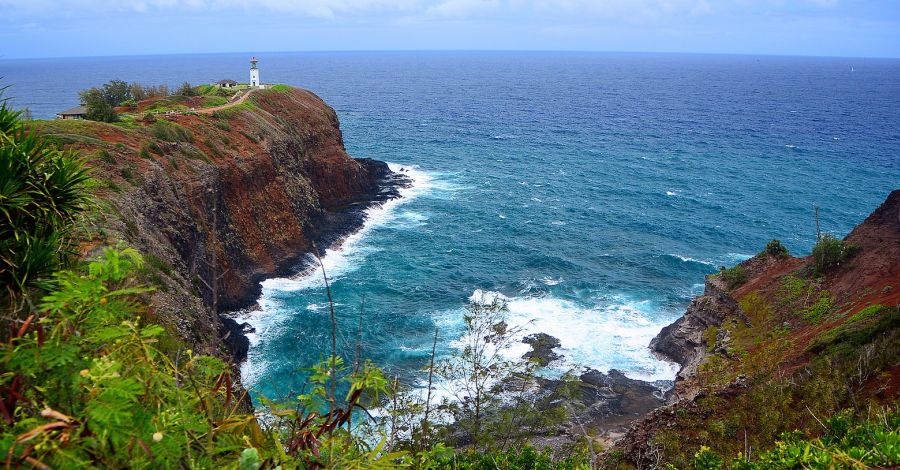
(787, 346)
(218, 202)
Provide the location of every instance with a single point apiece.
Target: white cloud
(627, 11)
(461, 8)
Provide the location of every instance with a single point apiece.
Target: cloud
(625, 10)
(315, 8)
(461, 8)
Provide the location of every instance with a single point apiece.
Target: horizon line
(561, 51)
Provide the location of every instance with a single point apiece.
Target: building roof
(74, 111)
(227, 82)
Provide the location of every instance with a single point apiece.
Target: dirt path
(244, 94)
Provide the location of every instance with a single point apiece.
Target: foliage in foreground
(42, 190)
(91, 381)
(847, 443)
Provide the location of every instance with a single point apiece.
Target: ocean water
(594, 191)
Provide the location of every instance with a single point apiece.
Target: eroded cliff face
(218, 202)
(785, 329)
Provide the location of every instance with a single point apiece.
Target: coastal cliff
(778, 344)
(218, 202)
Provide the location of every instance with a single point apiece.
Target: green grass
(858, 329)
(172, 132)
(281, 88)
(213, 101)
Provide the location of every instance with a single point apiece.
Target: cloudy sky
(59, 28)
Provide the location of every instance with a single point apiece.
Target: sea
(591, 192)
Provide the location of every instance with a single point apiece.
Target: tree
(116, 91)
(98, 108)
(185, 90)
(479, 373)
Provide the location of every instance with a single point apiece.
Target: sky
(74, 28)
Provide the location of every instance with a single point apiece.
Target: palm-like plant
(42, 191)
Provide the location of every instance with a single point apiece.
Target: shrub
(185, 90)
(847, 443)
(733, 277)
(756, 308)
(172, 132)
(830, 252)
(706, 459)
(222, 124)
(823, 307)
(42, 193)
(104, 155)
(776, 249)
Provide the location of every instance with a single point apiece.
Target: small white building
(254, 73)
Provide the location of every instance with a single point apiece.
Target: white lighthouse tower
(254, 73)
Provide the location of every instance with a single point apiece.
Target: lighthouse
(254, 73)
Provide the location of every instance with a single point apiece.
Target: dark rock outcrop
(542, 346)
(683, 340)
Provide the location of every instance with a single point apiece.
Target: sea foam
(338, 261)
(610, 334)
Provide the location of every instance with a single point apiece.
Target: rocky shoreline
(609, 405)
(328, 229)
(605, 404)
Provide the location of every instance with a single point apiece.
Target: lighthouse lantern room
(254, 73)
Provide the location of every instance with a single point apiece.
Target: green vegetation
(776, 249)
(186, 90)
(281, 88)
(212, 101)
(172, 132)
(101, 101)
(848, 442)
(858, 329)
(733, 277)
(92, 379)
(98, 107)
(42, 191)
(821, 308)
(830, 252)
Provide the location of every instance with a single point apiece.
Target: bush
(172, 132)
(830, 252)
(186, 90)
(823, 307)
(42, 193)
(733, 277)
(848, 443)
(776, 249)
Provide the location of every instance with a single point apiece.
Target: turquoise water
(593, 191)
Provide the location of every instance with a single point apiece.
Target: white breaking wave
(688, 259)
(338, 261)
(609, 335)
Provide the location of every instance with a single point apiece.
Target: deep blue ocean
(594, 191)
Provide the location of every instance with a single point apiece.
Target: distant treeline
(101, 101)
